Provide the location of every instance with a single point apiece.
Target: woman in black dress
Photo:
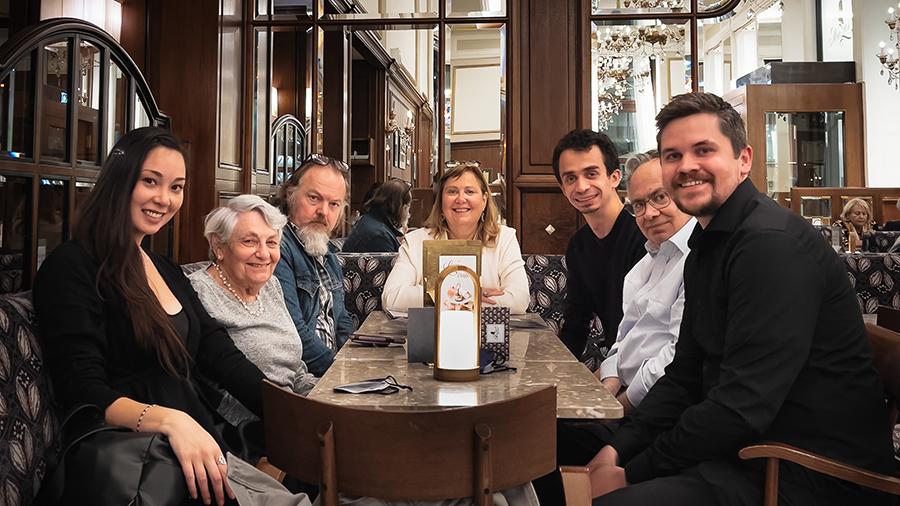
(124, 330)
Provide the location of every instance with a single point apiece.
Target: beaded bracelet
(144, 412)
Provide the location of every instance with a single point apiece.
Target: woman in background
(462, 210)
(383, 221)
(855, 218)
(122, 328)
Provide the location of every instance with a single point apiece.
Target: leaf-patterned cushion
(28, 418)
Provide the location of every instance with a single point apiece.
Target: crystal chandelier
(672, 5)
(616, 55)
(889, 60)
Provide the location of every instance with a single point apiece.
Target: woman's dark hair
(104, 227)
(388, 201)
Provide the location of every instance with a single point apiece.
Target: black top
(597, 269)
(93, 357)
(372, 234)
(772, 347)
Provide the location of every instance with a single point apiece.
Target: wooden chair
(416, 455)
(886, 345)
(888, 318)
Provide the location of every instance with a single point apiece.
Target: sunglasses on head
(452, 164)
(318, 159)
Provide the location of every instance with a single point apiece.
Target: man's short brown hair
(688, 104)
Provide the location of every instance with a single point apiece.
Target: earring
(482, 216)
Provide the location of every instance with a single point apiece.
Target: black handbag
(106, 465)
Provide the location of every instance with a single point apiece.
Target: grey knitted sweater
(269, 340)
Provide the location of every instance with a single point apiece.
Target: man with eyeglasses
(310, 275)
(598, 256)
(653, 293)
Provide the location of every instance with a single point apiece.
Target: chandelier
(889, 60)
(617, 52)
(672, 5)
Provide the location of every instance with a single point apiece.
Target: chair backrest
(886, 346)
(426, 455)
(888, 318)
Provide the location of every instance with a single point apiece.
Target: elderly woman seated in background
(462, 210)
(856, 217)
(238, 290)
(383, 221)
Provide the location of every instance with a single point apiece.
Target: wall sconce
(457, 324)
(405, 133)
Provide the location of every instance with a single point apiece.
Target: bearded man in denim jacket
(310, 275)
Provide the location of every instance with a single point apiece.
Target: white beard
(315, 241)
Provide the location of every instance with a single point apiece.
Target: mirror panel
(475, 99)
(17, 117)
(141, 116)
(55, 100)
(262, 94)
(391, 9)
(53, 197)
(15, 231)
(292, 9)
(88, 103)
(116, 106)
(476, 8)
(804, 149)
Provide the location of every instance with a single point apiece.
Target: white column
(881, 102)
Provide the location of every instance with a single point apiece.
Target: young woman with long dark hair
(123, 329)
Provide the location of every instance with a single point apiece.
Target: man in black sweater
(599, 255)
(772, 344)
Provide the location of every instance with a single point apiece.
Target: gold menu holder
(457, 325)
(433, 250)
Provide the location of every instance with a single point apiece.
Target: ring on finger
(221, 460)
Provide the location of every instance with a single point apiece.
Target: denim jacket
(300, 283)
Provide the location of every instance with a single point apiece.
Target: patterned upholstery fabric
(876, 279)
(831, 234)
(364, 277)
(547, 284)
(28, 418)
(879, 241)
(10, 273)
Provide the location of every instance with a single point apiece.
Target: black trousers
(723, 482)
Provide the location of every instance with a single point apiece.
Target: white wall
(798, 31)
(880, 101)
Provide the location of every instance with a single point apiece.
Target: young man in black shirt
(599, 255)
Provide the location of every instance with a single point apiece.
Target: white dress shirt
(653, 301)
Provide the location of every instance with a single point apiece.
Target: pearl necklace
(260, 308)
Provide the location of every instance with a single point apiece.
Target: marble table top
(538, 355)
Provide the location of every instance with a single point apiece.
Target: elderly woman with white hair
(238, 290)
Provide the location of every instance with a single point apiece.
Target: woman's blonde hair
(488, 227)
(848, 208)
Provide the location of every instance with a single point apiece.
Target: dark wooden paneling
(134, 30)
(420, 208)
(182, 71)
(489, 153)
(549, 68)
(541, 209)
(543, 89)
